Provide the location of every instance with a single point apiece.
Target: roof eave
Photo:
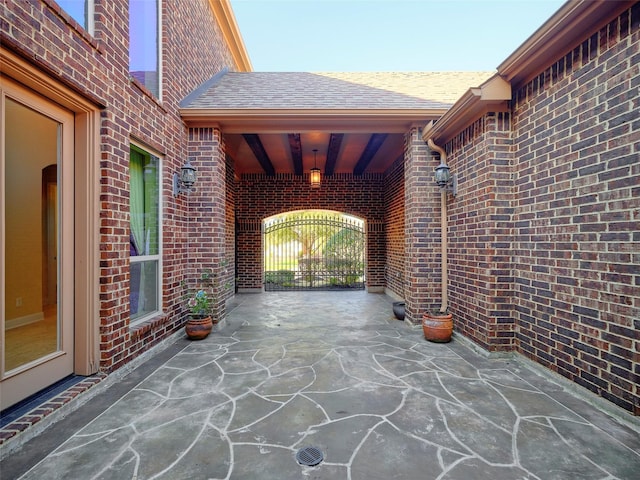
(226, 19)
(571, 24)
(282, 121)
(492, 96)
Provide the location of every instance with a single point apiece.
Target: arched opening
(314, 250)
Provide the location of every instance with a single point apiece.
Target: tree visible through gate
(314, 249)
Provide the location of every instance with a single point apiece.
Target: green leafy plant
(201, 300)
(279, 277)
(200, 304)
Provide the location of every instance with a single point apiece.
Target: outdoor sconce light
(187, 178)
(315, 172)
(446, 180)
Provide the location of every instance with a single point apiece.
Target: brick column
(207, 214)
(422, 229)
(250, 256)
(481, 233)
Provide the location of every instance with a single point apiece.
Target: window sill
(79, 29)
(139, 330)
(147, 93)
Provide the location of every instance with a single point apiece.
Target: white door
(37, 243)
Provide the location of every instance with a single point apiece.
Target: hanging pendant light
(315, 172)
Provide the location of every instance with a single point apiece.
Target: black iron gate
(314, 251)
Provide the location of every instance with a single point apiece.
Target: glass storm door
(36, 173)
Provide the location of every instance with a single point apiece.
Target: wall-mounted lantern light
(315, 172)
(446, 180)
(186, 178)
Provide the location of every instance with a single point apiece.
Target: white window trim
(159, 52)
(91, 23)
(90, 20)
(159, 256)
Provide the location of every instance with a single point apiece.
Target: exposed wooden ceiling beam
(296, 152)
(335, 140)
(253, 140)
(375, 142)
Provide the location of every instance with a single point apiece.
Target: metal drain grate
(309, 456)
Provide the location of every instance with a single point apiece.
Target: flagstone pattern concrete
(338, 372)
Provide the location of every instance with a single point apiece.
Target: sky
(386, 35)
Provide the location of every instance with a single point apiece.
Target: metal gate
(314, 251)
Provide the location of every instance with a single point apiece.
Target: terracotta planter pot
(198, 328)
(437, 327)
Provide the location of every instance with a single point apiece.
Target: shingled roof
(309, 91)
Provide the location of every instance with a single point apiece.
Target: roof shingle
(345, 90)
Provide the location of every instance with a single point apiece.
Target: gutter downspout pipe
(443, 230)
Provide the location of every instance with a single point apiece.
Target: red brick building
(543, 249)
(91, 78)
(543, 235)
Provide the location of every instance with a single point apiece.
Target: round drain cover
(310, 456)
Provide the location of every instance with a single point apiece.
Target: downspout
(443, 230)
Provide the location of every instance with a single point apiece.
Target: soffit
(492, 96)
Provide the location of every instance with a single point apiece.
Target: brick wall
(260, 196)
(577, 276)
(544, 240)
(97, 68)
(422, 229)
(394, 228)
(480, 232)
(230, 228)
(208, 223)
(544, 236)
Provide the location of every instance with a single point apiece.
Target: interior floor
(29, 342)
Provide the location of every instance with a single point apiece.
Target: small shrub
(279, 277)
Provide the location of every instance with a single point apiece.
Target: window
(80, 10)
(144, 237)
(144, 43)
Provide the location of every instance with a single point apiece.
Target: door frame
(49, 216)
(39, 373)
(86, 125)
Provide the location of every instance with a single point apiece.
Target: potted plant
(437, 326)
(200, 303)
(398, 310)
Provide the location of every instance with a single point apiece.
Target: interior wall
(25, 160)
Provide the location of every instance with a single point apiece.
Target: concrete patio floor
(336, 371)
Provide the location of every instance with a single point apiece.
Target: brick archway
(314, 250)
(261, 196)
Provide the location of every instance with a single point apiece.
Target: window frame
(144, 150)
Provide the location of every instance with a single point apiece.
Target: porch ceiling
(272, 122)
(291, 152)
